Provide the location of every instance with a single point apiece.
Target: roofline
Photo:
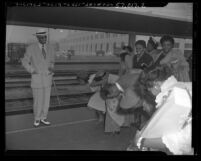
(149, 14)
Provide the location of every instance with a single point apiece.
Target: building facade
(88, 43)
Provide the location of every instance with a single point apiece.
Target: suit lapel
(141, 58)
(47, 52)
(38, 51)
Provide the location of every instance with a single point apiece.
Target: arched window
(86, 47)
(91, 48)
(107, 47)
(101, 46)
(96, 47)
(114, 45)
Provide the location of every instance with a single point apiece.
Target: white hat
(41, 32)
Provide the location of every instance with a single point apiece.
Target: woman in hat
(105, 104)
(96, 82)
(152, 46)
(39, 62)
(118, 94)
(152, 50)
(125, 57)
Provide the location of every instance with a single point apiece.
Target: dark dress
(144, 62)
(157, 62)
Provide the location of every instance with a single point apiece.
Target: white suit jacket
(34, 61)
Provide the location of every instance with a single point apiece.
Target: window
(114, 45)
(96, 47)
(176, 45)
(83, 47)
(91, 47)
(86, 47)
(101, 46)
(107, 47)
(188, 45)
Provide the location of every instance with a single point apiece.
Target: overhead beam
(96, 20)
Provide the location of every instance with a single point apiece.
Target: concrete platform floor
(71, 129)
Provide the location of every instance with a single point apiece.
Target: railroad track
(25, 82)
(25, 105)
(18, 92)
(23, 79)
(62, 68)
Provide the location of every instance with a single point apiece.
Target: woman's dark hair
(123, 56)
(154, 44)
(167, 38)
(160, 73)
(141, 42)
(82, 75)
(104, 92)
(127, 47)
(99, 78)
(146, 81)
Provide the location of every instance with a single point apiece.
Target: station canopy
(156, 21)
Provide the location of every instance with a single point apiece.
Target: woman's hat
(127, 47)
(99, 75)
(153, 42)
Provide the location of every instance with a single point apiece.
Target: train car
(74, 127)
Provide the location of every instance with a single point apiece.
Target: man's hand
(51, 70)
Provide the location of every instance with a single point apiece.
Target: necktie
(43, 51)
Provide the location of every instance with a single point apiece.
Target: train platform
(71, 129)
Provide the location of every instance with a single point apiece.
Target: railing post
(131, 40)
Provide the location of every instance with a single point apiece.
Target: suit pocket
(47, 80)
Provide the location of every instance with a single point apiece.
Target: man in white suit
(39, 62)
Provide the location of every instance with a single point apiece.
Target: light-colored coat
(176, 59)
(34, 61)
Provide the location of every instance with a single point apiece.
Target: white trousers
(41, 98)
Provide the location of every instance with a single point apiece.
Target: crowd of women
(152, 92)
